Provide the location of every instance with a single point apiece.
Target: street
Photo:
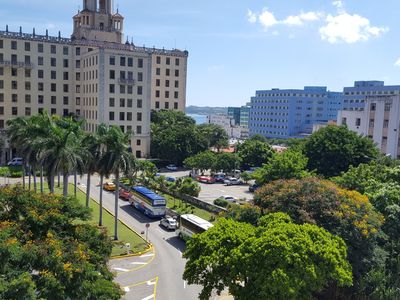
(154, 274)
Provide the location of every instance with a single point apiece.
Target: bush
(11, 171)
(221, 202)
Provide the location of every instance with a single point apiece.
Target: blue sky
(237, 46)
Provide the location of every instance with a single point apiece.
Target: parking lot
(210, 192)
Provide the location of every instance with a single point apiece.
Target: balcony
(16, 64)
(127, 81)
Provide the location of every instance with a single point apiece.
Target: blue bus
(150, 203)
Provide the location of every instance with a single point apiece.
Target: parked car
(170, 179)
(172, 168)
(109, 186)
(229, 198)
(169, 223)
(233, 181)
(17, 161)
(219, 177)
(253, 188)
(124, 194)
(206, 179)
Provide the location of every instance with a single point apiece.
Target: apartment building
(93, 75)
(292, 113)
(354, 97)
(379, 120)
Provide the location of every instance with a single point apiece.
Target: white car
(169, 223)
(15, 162)
(232, 181)
(172, 168)
(229, 198)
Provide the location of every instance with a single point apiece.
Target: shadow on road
(177, 243)
(139, 216)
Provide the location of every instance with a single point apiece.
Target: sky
(237, 47)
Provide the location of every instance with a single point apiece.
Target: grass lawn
(182, 207)
(125, 234)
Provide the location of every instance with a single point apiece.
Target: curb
(150, 246)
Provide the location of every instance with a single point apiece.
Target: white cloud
(300, 19)
(267, 19)
(397, 63)
(338, 4)
(251, 16)
(349, 29)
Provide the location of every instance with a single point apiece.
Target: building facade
(379, 120)
(245, 115)
(234, 113)
(92, 75)
(354, 97)
(292, 113)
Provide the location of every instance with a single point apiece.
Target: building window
(122, 61)
(53, 87)
(112, 102)
(27, 46)
(66, 100)
(388, 106)
(1, 71)
(138, 154)
(129, 103)
(112, 88)
(158, 71)
(139, 103)
(14, 111)
(138, 142)
(157, 104)
(167, 72)
(112, 74)
(14, 72)
(40, 48)
(130, 62)
(1, 110)
(53, 100)
(40, 99)
(138, 129)
(14, 45)
(78, 64)
(27, 73)
(1, 84)
(40, 60)
(384, 140)
(176, 73)
(78, 101)
(77, 51)
(1, 44)
(27, 86)
(122, 102)
(176, 95)
(27, 111)
(158, 59)
(14, 85)
(371, 123)
(168, 61)
(53, 62)
(158, 81)
(112, 60)
(129, 116)
(65, 50)
(65, 112)
(139, 116)
(53, 49)
(77, 76)
(166, 105)
(140, 63)
(373, 106)
(385, 123)
(28, 98)
(358, 122)
(139, 90)
(176, 61)
(53, 111)
(157, 94)
(175, 105)
(14, 98)
(53, 75)
(166, 94)
(40, 74)
(140, 76)
(65, 63)
(166, 83)
(122, 89)
(122, 116)
(1, 124)
(111, 116)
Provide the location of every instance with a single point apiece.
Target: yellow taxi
(109, 186)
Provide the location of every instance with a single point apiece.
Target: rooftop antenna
(34, 33)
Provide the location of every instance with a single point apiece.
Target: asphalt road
(210, 192)
(157, 274)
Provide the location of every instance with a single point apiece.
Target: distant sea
(200, 119)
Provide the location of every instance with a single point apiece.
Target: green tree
(202, 161)
(333, 149)
(47, 251)
(213, 136)
(187, 186)
(115, 158)
(277, 260)
(226, 162)
(254, 153)
(347, 214)
(287, 165)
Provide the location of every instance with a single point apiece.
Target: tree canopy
(254, 153)
(333, 149)
(276, 260)
(47, 252)
(213, 135)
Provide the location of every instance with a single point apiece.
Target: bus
(150, 203)
(190, 224)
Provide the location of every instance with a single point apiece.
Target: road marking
(127, 289)
(147, 255)
(184, 284)
(151, 282)
(138, 263)
(149, 297)
(121, 269)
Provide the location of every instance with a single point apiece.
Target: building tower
(97, 21)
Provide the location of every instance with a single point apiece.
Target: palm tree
(115, 158)
(62, 150)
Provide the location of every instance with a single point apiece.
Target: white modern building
(379, 120)
(228, 124)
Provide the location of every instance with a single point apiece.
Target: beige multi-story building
(93, 75)
(379, 120)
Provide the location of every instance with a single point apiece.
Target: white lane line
(121, 269)
(149, 297)
(126, 289)
(151, 282)
(138, 263)
(147, 255)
